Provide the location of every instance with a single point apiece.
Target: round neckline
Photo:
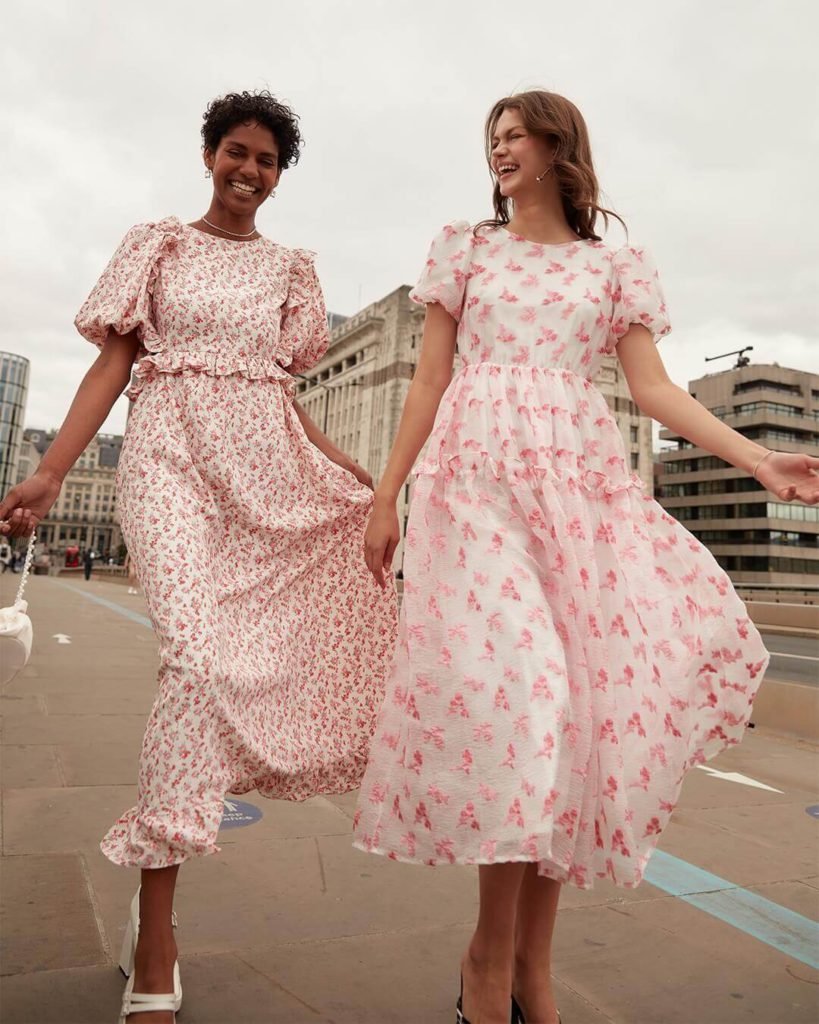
(219, 238)
(551, 245)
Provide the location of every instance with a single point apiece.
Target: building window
(634, 433)
(773, 408)
(805, 566)
(767, 385)
(773, 434)
(635, 460)
(797, 513)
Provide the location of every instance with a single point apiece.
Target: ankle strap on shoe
(148, 1002)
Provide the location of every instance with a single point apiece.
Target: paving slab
(85, 729)
(367, 978)
(217, 990)
(665, 962)
(58, 820)
(290, 923)
(24, 767)
(88, 764)
(46, 915)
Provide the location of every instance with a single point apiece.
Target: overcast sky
(701, 113)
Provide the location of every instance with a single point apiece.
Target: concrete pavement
(290, 924)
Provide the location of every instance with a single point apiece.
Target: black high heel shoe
(459, 1006)
(517, 1014)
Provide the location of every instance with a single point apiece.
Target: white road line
(799, 657)
(743, 780)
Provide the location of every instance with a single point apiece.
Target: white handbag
(16, 632)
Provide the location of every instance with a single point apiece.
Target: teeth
(507, 168)
(242, 188)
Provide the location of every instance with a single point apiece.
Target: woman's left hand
(790, 477)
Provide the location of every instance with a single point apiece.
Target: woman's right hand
(27, 504)
(381, 538)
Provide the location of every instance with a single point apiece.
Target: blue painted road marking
(110, 605)
(238, 814)
(813, 811)
(776, 926)
(765, 920)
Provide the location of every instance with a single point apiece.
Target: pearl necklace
(237, 234)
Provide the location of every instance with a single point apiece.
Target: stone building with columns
(84, 515)
(357, 391)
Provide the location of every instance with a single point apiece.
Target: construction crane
(742, 359)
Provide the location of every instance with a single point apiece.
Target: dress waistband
(214, 364)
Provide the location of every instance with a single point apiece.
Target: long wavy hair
(557, 119)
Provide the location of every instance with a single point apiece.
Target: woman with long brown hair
(567, 651)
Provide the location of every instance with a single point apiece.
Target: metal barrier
(775, 593)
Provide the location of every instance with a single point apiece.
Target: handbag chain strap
(26, 570)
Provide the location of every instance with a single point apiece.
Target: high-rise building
(85, 512)
(755, 537)
(14, 373)
(357, 391)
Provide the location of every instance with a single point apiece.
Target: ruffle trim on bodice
(588, 481)
(534, 425)
(214, 364)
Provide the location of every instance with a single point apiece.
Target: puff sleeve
(122, 298)
(305, 333)
(637, 296)
(446, 271)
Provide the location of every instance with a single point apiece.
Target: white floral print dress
(567, 650)
(274, 639)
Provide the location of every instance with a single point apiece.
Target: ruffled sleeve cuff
(637, 295)
(122, 298)
(446, 271)
(305, 334)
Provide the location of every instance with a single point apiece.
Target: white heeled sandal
(144, 1002)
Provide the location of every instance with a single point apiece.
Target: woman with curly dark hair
(272, 663)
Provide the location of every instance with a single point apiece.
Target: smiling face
(518, 157)
(245, 168)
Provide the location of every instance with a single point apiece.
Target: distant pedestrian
(5, 555)
(88, 563)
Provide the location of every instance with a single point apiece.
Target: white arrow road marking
(743, 780)
(61, 638)
(232, 808)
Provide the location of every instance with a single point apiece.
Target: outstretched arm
(333, 452)
(431, 380)
(788, 476)
(25, 505)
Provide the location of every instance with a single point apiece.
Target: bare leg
(489, 962)
(156, 948)
(536, 911)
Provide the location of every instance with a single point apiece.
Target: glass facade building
(754, 537)
(14, 372)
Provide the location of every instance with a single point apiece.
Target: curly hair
(263, 108)
(552, 116)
